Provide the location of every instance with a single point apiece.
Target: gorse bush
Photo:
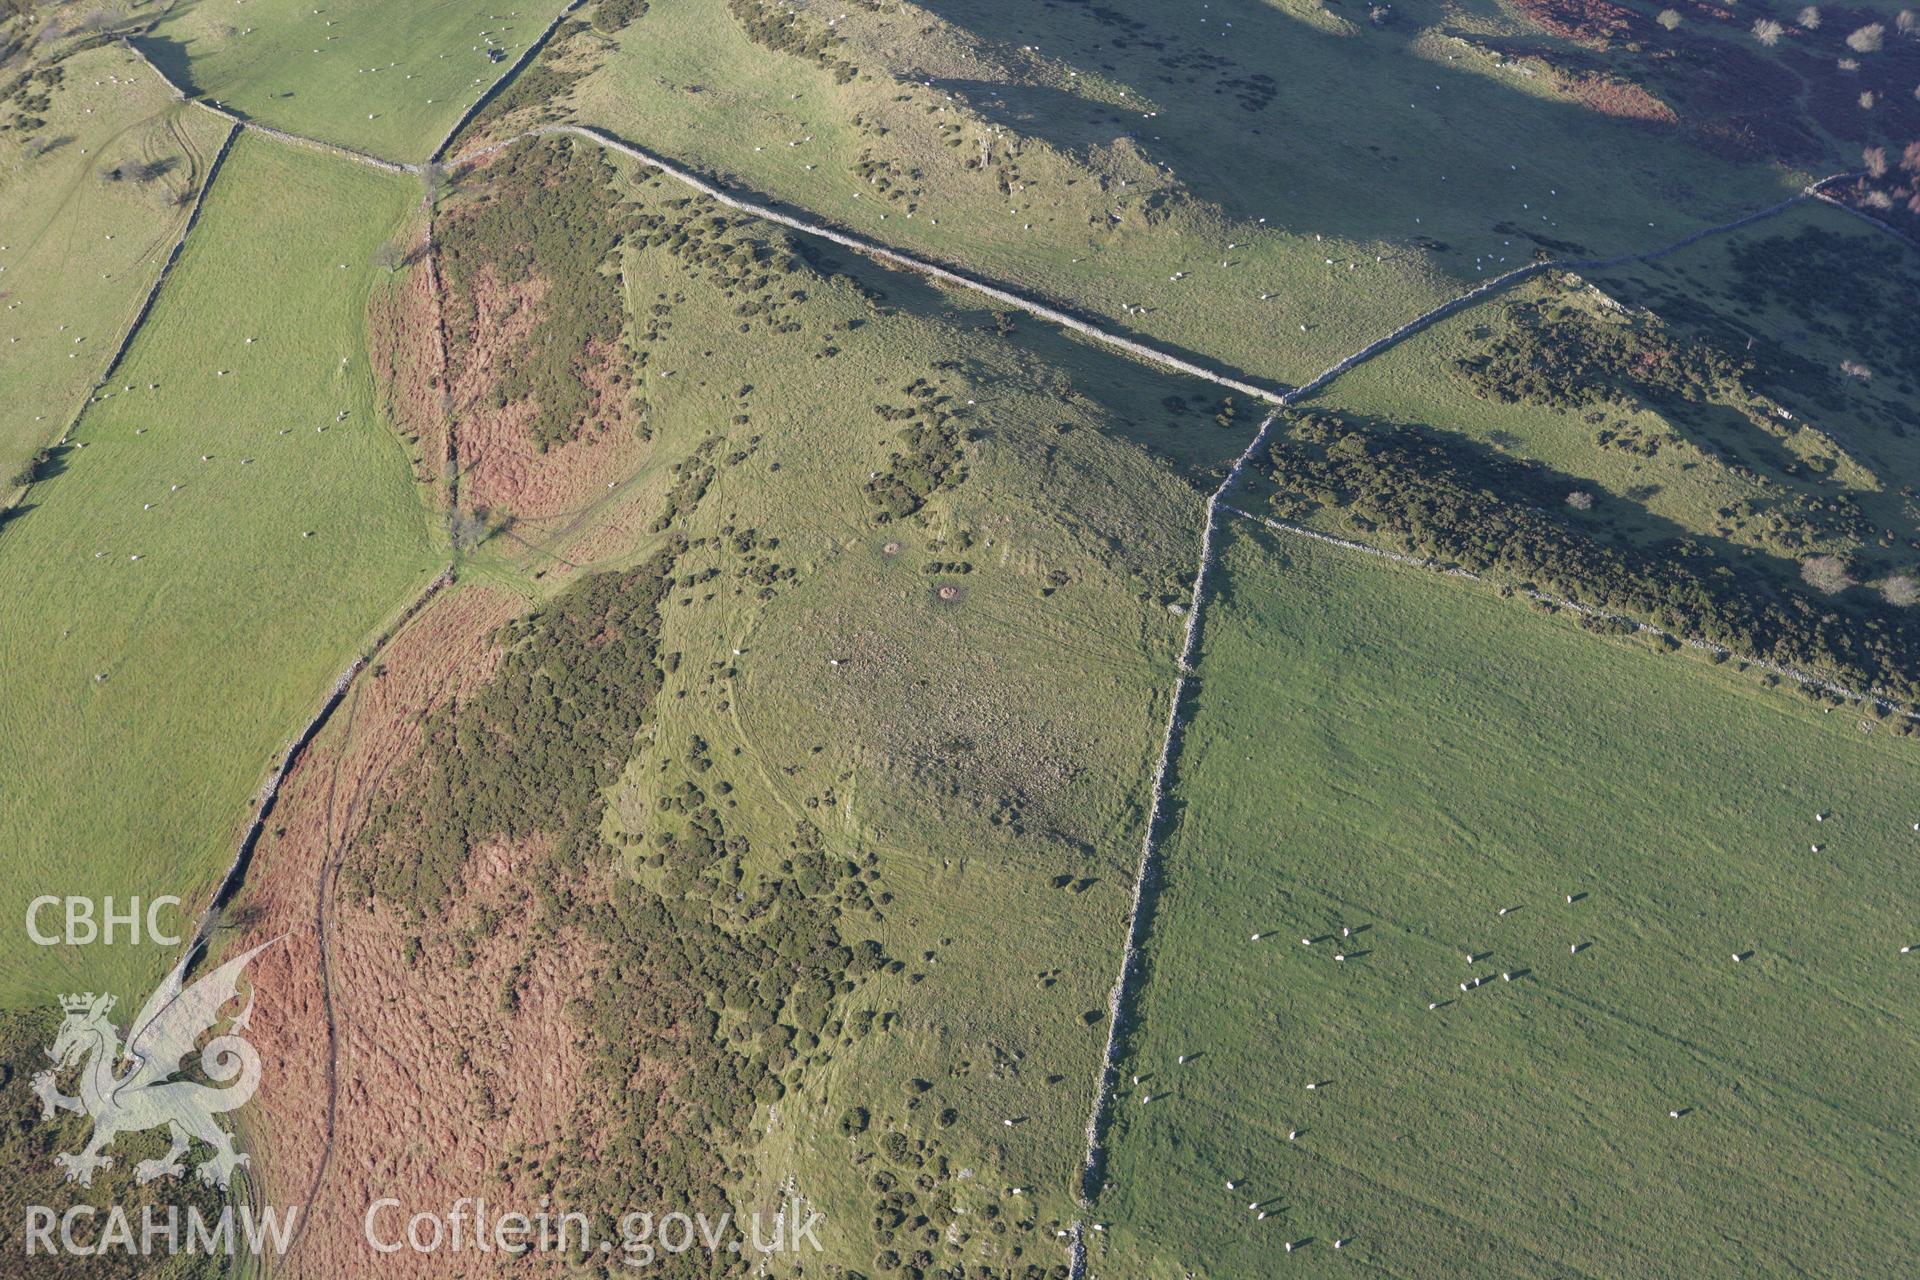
(930, 457)
(714, 988)
(780, 28)
(1563, 358)
(1444, 499)
(543, 211)
(531, 752)
(610, 16)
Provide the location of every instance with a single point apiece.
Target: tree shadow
(149, 170)
(46, 146)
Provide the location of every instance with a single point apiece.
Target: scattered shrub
(1437, 496)
(1868, 39)
(1826, 573)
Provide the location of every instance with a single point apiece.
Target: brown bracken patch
(399, 1073)
(1597, 24)
(1610, 96)
(501, 468)
(409, 363)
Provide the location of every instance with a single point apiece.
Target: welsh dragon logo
(126, 1091)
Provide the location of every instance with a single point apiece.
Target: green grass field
(170, 625)
(1153, 167)
(1386, 750)
(88, 222)
(382, 78)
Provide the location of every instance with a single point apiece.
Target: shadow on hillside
(176, 62)
(1266, 116)
(847, 262)
(173, 59)
(1618, 521)
(1727, 297)
(1136, 398)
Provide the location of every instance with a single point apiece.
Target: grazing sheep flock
(1263, 1209)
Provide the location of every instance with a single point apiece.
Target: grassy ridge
(1332, 777)
(982, 747)
(142, 698)
(918, 618)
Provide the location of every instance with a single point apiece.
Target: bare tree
(1668, 18)
(1875, 158)
(468, 529)
(1810, 17)
(389, 257)
(1907, 22)
(1826, 573)
(1768, 32)
(1901, 589)
(1868, 39)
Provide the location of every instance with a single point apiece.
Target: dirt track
(396, 1072)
